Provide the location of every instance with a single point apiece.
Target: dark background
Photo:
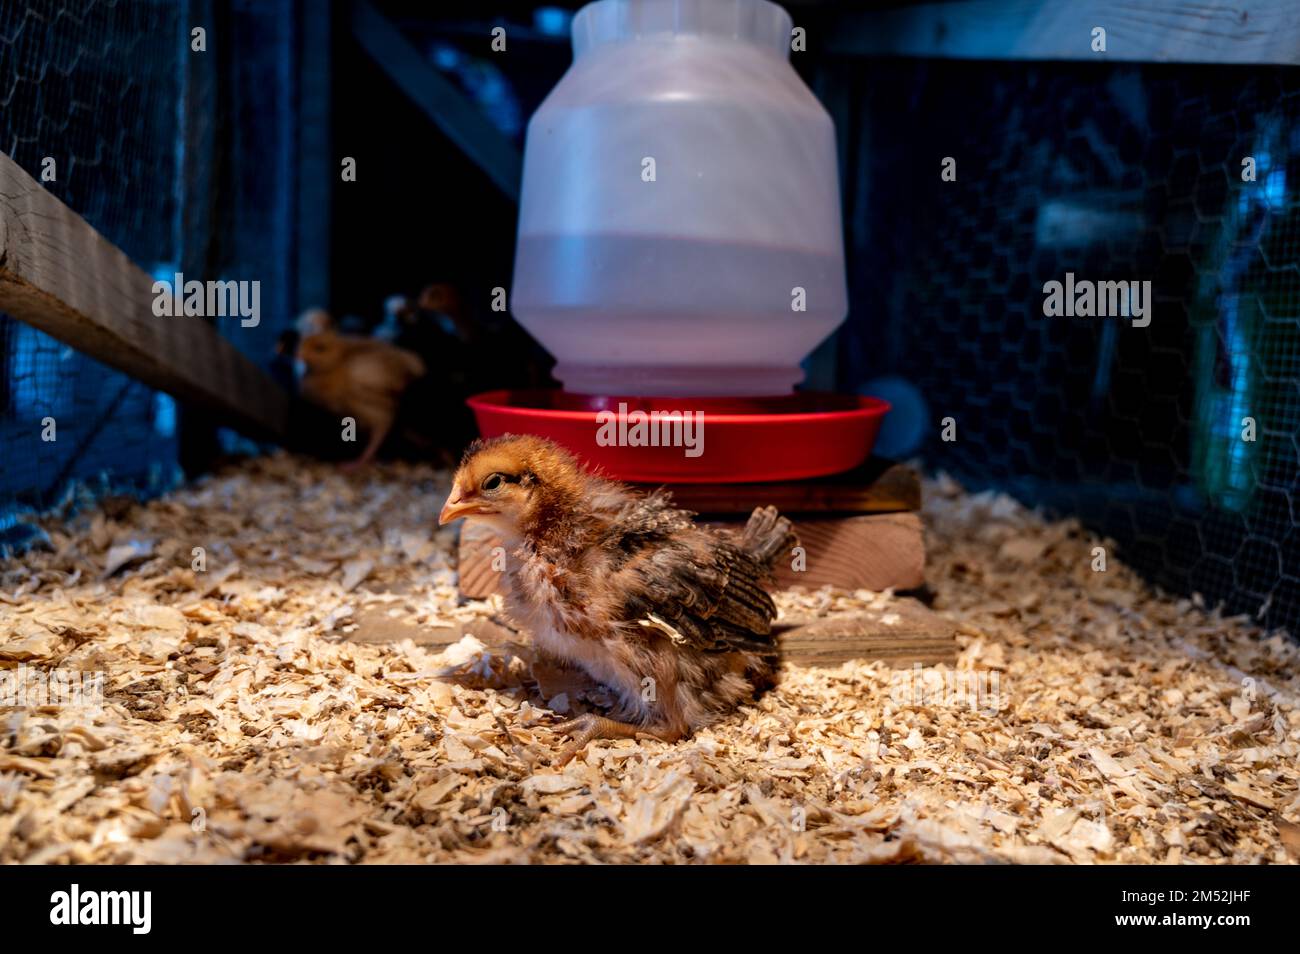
(229, 166)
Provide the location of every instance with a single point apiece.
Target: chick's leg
(590, 727)
(377, 436)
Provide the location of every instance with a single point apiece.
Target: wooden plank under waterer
(901, 634)
(857, 530)
(878, 486)
(478, 567)
(862, 552)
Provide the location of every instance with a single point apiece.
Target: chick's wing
(708, 591)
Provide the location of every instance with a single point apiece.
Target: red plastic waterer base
(744, 440)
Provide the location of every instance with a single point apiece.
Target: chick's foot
(590, 727)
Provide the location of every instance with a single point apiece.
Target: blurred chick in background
(282, 367)
(313, 321)
(434, 320)
(459, 355)
(360, 378)
(396, 310)
(443, 301)
(436, 327)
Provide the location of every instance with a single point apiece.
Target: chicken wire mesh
(1109, 172)
(101, 87)
(93, 87)
(1179, 440)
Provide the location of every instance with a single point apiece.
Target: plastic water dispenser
(679, 228)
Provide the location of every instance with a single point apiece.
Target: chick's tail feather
(767, 536)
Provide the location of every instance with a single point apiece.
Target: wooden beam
(859, 530)
(865, 552)
(461, 121)
(59, 275)
(878, 486)
(901, 634)
(878, 551)
(1155, 31)
(904, 633)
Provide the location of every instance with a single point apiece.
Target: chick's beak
(457, 505)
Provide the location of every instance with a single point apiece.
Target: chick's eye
(492, 481)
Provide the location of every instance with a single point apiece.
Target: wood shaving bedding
(240, 723)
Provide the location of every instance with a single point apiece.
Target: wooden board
(375, 626)
(870, 552)
(1245, 31)
(902, 634)
(59, 275)
(878, 486)
(479, 578)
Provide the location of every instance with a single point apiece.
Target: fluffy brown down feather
(671, 615)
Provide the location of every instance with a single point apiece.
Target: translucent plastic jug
(679, 227)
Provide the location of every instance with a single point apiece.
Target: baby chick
(313, 321)
(397, 308)
(672, 616)
(360, 378)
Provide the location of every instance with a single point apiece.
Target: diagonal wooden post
(439, 99)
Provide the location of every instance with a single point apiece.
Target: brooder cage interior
(1042, 610)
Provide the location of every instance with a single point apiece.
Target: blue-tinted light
(445, 56)
(552, 21)
(165, 271)
(164, 415)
